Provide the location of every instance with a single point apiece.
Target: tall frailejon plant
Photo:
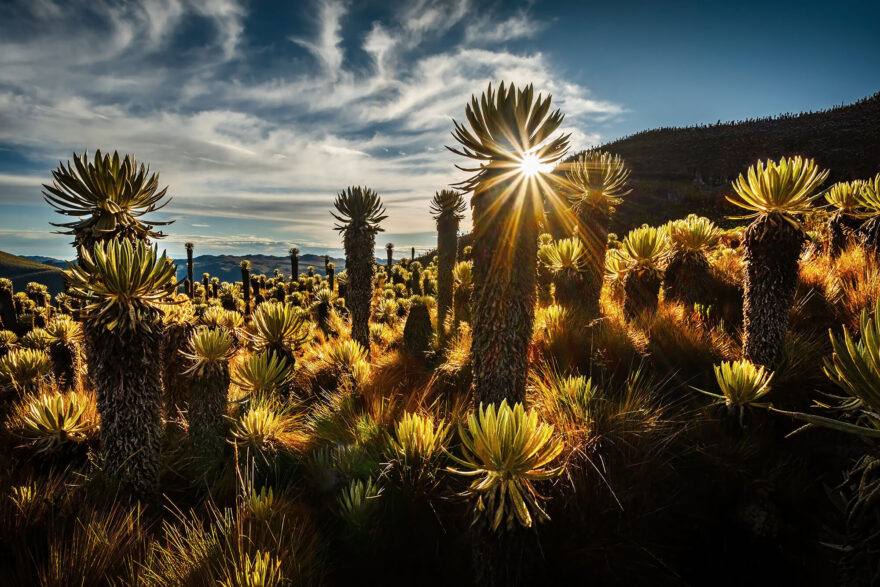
(596, 182)
(109, 197)
(122, 285)
(511, 138)
(360, 212)
(209, 351)
(775, 194)
(389, 249)
(447, 208)
(294, 263)
(190, 275)
(246, 285)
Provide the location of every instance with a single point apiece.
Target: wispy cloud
(370, 102)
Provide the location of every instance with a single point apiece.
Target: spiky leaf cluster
(447, 205)
(507, 449)
(742, 382)
(109, 196)
(122, 284)
(787, 186)
(208, 348)
(597, 177)
(360, 209)
(693, 233)
(505, 127)
(262, 373)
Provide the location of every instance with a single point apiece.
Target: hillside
(22, 271)
(680, 170)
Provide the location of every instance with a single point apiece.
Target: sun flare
(531, 165)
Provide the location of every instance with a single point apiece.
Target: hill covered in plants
(676, 171)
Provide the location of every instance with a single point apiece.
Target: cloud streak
(363, 103)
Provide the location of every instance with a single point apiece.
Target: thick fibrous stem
(593, 220)
(417, 331)
(189, 271)
(359, 245)
(447, 244)
(505, 249)
(174, 383)
(66, 364)
(126, 374)
(687, 278)
(641, 292)
(772, 248)
(842, 230)
(207, 408)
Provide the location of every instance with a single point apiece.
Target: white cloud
(272, 149)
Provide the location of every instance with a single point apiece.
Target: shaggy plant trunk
(447, 244)
(462, 306)
(126, 373)
(506, 558)
(545, 281)
(870, 233)
(207, 411)
(390, 260)
(772, 248)
(593, 225)
(191, 285)
(641, 290)
(568, 288)
(294, 267)
(246, 290)
(417, 331)
(206, 283)
(688, 278)
(174, 383)
(505, 253)
(841, 230)
(412, 256)
(66, 364)
(359, 246)
(331, 278)
(7, 309)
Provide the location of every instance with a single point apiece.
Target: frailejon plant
(54, 421)
(109, 197)
(687, 276)
(279, 328)
(25, 369)
(843, 224)
(415, 448)
(122, 286)
(65, 350)
(644, 248)
(209, 351)
(507, 450)
(262, 374)
(869, 198)
(190, 274)
(447, 207)
(775, 194)
(566, 260)
(360, 213)
(511, 137)
(595, 183)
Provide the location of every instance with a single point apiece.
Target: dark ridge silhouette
(676, 171)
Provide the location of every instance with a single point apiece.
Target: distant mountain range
(227, 267)
(676, 171)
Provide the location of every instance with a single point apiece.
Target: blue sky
(258, 113)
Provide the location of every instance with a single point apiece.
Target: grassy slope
(22, 271)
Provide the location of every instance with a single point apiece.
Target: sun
(531, 165)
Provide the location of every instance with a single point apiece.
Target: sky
(257, 114)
